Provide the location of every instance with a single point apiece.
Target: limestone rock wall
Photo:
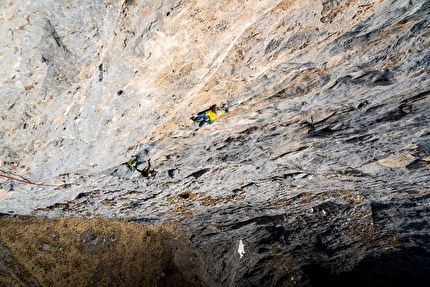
(84, 82)
(320, 170)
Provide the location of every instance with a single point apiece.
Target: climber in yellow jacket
(210, 115)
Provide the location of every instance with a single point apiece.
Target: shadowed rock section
(320, 169)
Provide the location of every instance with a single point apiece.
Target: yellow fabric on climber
(212, 115)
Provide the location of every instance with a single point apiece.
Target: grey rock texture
(321, 167)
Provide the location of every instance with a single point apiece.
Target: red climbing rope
(53, 185)
(31, 182)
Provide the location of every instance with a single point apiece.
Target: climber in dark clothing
(148, 171)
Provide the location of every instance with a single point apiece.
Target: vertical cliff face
(319, 172)
(85, 82)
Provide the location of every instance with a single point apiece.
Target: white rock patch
(241, 249)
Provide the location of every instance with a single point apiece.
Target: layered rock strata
(320, 171)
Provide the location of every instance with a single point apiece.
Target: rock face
(319, 172)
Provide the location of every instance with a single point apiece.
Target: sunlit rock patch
(318, 174)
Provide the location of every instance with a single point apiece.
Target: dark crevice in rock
(198, 174)
(100, 72)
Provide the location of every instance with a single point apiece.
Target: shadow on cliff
(408, 267)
